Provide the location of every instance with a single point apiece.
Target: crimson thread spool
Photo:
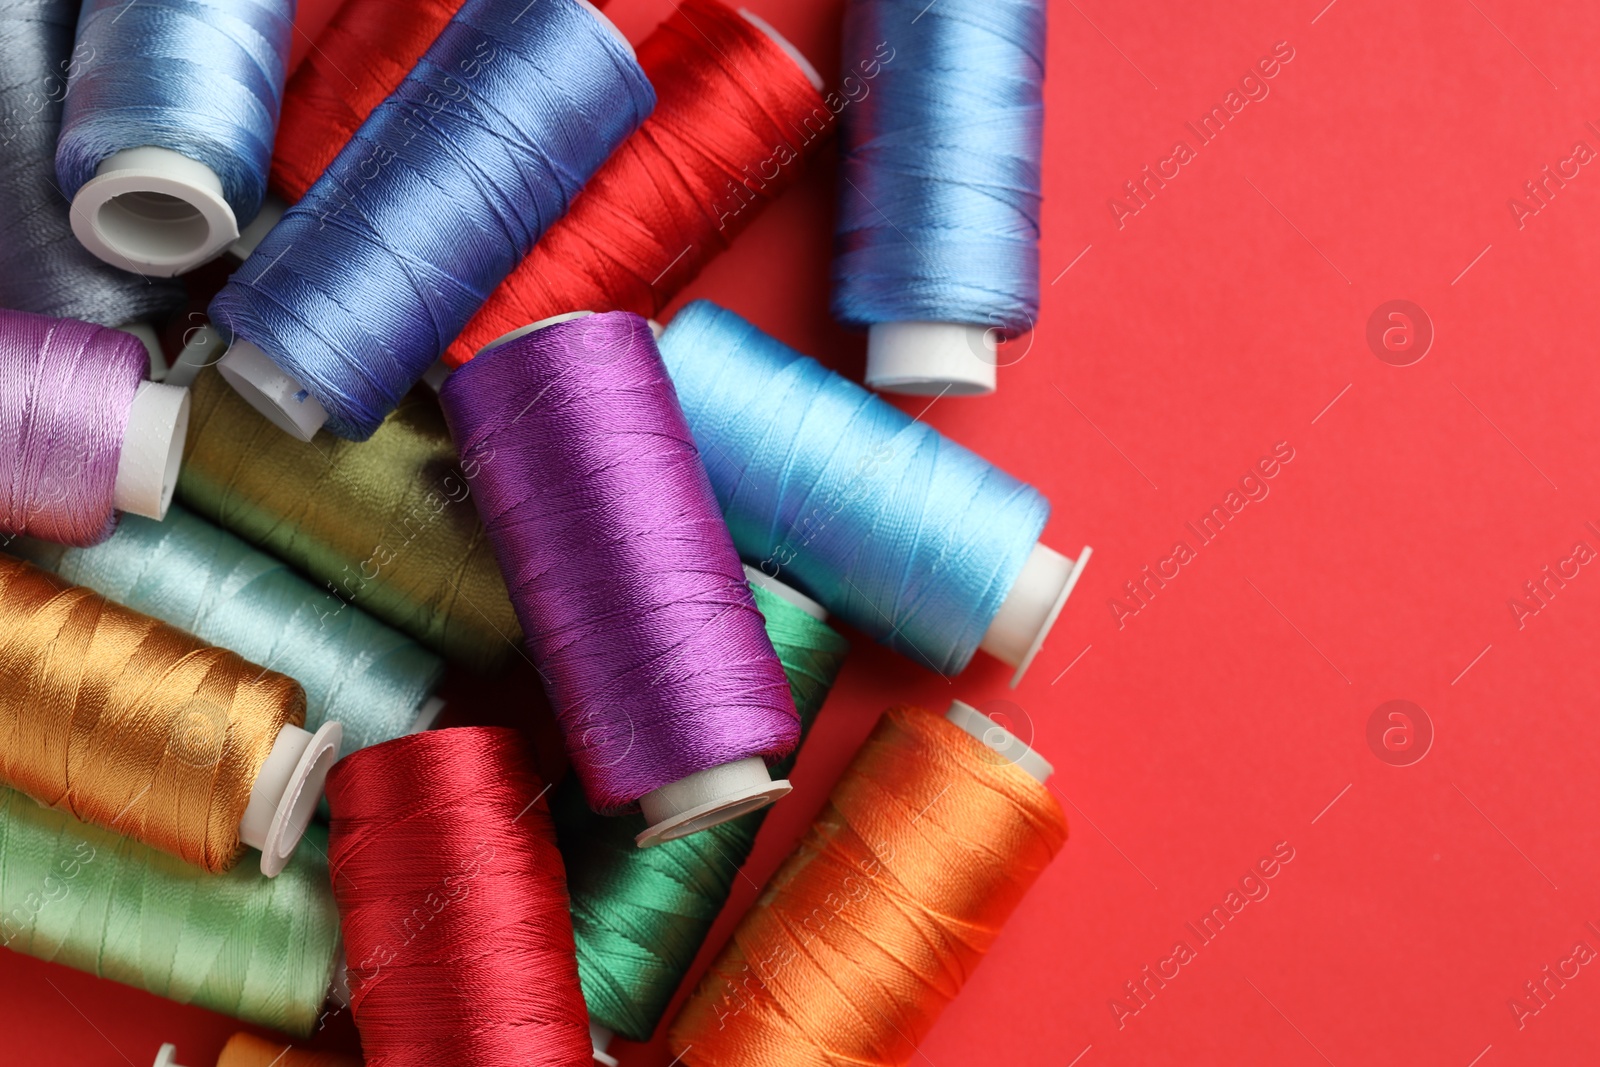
(631, 595)
(83, 435)
(134, 726)
(453, 905)
(927, 844)
(361, 56)
(738, 113)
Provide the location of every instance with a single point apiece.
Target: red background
(1225, 717)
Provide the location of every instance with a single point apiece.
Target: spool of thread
(385, 527)
(82, 434)
(938, 227)
(167, 131)
(927, 844)
(356, 671)
(900, 531)
(453, 905)
(43, 268)
(248, 1050)
(629, 591)
(737, 114)
(442, 192)
(361, 56)
(639, 916)
(132, 725)
(254, 948)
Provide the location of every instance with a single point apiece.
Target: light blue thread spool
(168, 124)
(893, 527)
(187, 572)
(938, 227)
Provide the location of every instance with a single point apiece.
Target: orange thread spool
(889, 901)
(130, 724)
(247, 1050)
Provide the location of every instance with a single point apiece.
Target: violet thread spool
(83, 435)
(625, 579)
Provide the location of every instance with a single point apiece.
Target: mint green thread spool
(259, 949)
(187, 572)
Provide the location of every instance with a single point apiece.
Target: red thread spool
(453, 904)
(736, 116)
(360, 57)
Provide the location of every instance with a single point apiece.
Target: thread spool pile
(654, 525)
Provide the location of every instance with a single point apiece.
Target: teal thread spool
(196, 576)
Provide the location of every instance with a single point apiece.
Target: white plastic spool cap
(931, 358)
(427, 715)
(202, 347)
(523, 331)
(787, 592)
(167, 1056)
(269, 389)
(789, 49)
(286, 792)
(1003, 742)
(435, 375)
(708, 798)
(250, 237)
(600, 1038)
(153, 211)
(1031, 607)
(339, 980)
(152, 450)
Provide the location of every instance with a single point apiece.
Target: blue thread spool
(893, 527)
(437, 197)
(167, 128)
(937, 235)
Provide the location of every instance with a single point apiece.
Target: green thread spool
(386, 524)
(639, 915)
(187, 572)
(258, 949)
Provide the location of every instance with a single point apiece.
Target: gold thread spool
(872, 925)
(132, 725)
(248, 1050)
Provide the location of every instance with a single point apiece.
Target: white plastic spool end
(600, 1038)
(427, 715)
(286, 792)
(250, 237)
(270, 390)
(339, 980)
(931, 358)
(167, 1056)
(152, 450)
(787, 592)
(1031, 607)
(523, 331)
(435, 375)
(202, 347)
(708, 798)
(1001, 741)
(609, 25)
(789, 49)
(153, 211)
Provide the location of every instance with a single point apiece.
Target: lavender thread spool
(82, 435)
(625, 579)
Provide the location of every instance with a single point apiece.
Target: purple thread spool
(82, 434)
(625, 579)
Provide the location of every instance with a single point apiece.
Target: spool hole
(150, 223)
